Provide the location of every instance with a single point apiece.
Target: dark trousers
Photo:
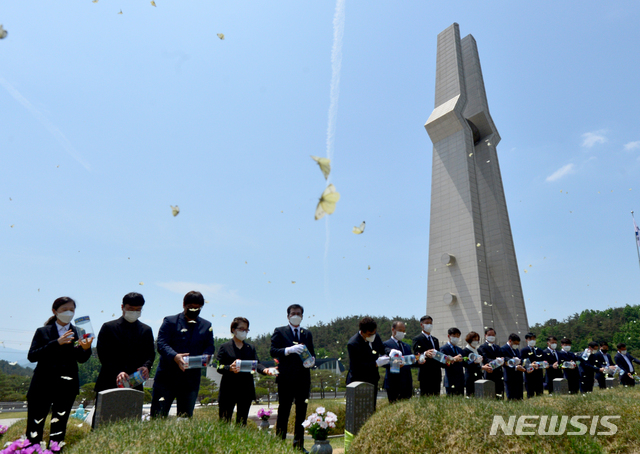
(497, 378)
(430, 386)
(38, 409)
(164, 394)
(396, 393)
(602, 381)
(534, 387)
(457, 391)
(287, 394)
(586, 383)
(626, 381)
(226, 410)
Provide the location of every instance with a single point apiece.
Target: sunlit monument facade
(473, 272)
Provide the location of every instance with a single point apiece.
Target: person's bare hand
(86, 343)
(122, 376)
(180, 361)
(234, 367)
(66, 338)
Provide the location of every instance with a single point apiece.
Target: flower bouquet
(319, 423)
(264, 414)
(24, 446)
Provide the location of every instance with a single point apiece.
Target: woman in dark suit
(55, 381)
(236, 388)
(473, 371)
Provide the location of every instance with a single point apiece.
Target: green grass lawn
(11, 415)
(463, 425)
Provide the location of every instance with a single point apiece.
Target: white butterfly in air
(175, 210)
(54, 420)
(14, 363)
(34, 434)
(61, 413)
(359, 230)
(325, 165)
(64, 377)
(221, 35)
(38, 421)
(327, 203)
(3, 32)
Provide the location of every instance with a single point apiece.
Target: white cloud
(561, 172)
(214, 293)
(632, 145)
(592, 138)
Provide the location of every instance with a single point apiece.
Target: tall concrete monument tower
(473, 272)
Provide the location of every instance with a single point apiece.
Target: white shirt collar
(472, 348)
(426, 334)
(62, 329)
(299, 328)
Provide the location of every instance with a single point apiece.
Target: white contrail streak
(55, 132)
(336, 65)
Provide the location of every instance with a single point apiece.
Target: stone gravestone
(560, 386)
(612, 382)
(116, 404)
(360, 406)
(485, 389)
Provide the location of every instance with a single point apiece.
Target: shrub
(73, 436)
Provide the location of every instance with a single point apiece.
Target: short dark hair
(56, 305)
(621, 345)
(514, 337)
(471, 336)
(193, 297)
(133, 299)
(550, 338)
(565, 340)
(530, 336)
(394, 325)
(453, 331)
(424, 318)
(367, 325)
(295, 306)
(604, 344)
(594, 344)
(486, 330)
(236, 321)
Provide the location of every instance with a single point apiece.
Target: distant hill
(9, 368)
(614, 326)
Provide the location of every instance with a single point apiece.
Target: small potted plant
(318, 425)
(264, 416)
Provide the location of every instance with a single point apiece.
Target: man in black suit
(552, 357)
(490, 351)
(454, 373)
(533, 381)
(588, 368)
(605, 362)
(366, 354)
(572, 375)
(429, 370)
(513, 379)
(625, 361)
(181, 335)
(294, 379)
(125, 345)
(399, 386)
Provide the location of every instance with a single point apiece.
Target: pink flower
(3, 429)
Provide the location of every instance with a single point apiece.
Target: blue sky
(109, 119)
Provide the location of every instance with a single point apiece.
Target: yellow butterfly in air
(325, 165)
(120, 12)
(359, 230)
(153, 3)
(175, 210)
(221, 35)
(94, 1)
(3, 32)
(327, 203)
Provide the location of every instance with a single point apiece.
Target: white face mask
(491, 339)
(475, 344)
(566, 348)
(370, 338)
(515, 346)
(65, 317)
(427, 327)
(454, 340)
(240, 335)
(132, 316)
(553, 346)
(399, 335)
(623, 352)
(531, 343)
(295, 320)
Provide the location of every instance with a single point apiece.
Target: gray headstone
(116, 404)
(612, 382)
(560, 386)
(485, 389)
(360, 405)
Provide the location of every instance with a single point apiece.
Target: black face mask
(192, 314)
(605, 351)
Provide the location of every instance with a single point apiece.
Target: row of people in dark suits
(367, 353)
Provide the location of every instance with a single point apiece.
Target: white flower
(331, 415)
(320, 410)
(323, 425)
(306, 423)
